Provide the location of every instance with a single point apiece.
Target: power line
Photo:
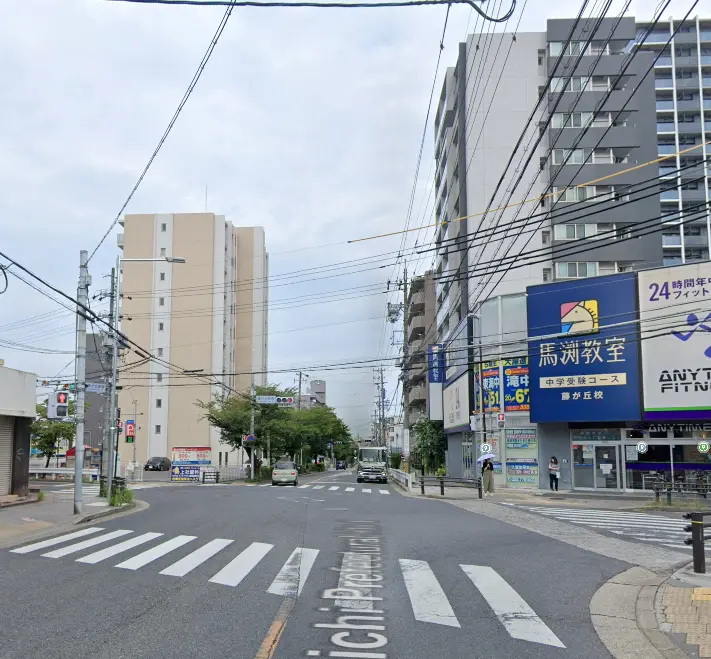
(184, 100)
(325, 5)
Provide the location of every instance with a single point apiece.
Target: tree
(47, 433)
(289, 430)
(429, 441)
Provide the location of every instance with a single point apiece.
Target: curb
(57, 529)
(626, 614)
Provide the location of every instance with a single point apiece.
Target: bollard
(696, 541)
(669, 495)
(422, 485)
(657, 495)
(480, 488)
(441, 486)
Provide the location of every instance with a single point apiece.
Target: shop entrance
(596, 466)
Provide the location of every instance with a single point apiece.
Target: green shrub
(395, 460)
(265, 473)
(320, 467)
(40, 496)
(442, 471)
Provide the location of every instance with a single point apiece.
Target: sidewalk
(567, 498)
(53, 515)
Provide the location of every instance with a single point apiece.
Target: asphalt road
(283, 572)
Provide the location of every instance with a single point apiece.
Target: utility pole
(251, 424)
(135, 426)
(405, 353)
(383, 434)
(106, 453)
(113, 429)
(80, 379)
(298, 400)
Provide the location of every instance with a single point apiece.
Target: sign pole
(251, 425)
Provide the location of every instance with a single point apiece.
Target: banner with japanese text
(516, 385)
(491, 384)
(584, 359)
(675, 323)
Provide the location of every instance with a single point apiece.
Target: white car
(286, 473)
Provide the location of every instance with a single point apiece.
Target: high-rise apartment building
(206, 316)
(483, 110)
(421, 331)
(683, 107)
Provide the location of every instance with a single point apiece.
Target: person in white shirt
(554, 473)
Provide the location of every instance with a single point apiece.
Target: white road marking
(265, 485)
(335, 487)
(292, 577)
(384, 491)
(350, 489)
(156, 552)
(429, 603)
(55, 541)
(519, 619)
(303, 487)
(71, 549)
(117, 549)
(366, 490)
(319, 487)
(195, 558)
(238, 568)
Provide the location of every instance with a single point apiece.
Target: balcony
(119, 240)
(417, 371)
(664, 61)
(417, 302)
(663, 83)
(666, 149)
(669, 195)
(667, 172)
(416, 329)
(417, 395)
(666, 127)
(665, 105)
(671, 241)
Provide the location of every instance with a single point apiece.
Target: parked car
(285, 472)
(340, 464)
(157, 464)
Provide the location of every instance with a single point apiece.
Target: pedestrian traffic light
(58, 405)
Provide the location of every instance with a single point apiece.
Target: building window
(545, 237)
(163, 226)
(575, 270)
(162, 251)
(541, 57)
(158, 429)
(574, 231)
(159, 377)
(160, 352)
(160, 327)
(226, 454)
(159, 402)
(161, 301)
(162, 276)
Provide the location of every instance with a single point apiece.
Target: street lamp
(113, 445)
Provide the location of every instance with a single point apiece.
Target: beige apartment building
(207, 315)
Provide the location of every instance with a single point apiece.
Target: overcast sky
(307, 122)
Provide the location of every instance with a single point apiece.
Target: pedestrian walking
(554, 473)
(487, 475)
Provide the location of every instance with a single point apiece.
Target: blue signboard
(585, 366)
(185, 473)
(436, 363)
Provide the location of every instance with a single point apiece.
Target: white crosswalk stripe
(292, 577)
(427, 597)
(429, 603)
(643, 527)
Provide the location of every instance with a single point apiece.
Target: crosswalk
(642, 527)
(229, 564)
(333, 488)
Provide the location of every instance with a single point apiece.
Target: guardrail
(63, 471)
(451, 482)
(697, 540)
(402, 478)
(683, 489)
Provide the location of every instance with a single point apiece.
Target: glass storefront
(608, 459)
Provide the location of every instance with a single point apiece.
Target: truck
(373, 464)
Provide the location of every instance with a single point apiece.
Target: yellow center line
(271, 640)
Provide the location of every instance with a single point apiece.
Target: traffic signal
(285, 401)
(58, 405)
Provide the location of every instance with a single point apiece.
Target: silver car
(286, 473)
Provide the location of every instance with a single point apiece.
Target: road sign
(130, 428)
(642, 447)
(267, 400)
(96, 387)
(246, 439)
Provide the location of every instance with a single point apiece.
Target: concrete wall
(18, 393)
(554, 439)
